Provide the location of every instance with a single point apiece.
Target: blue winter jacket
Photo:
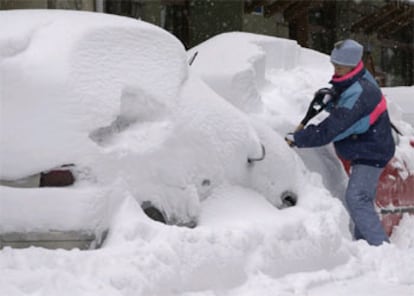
(358, 123)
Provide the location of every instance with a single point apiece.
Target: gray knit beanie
(347, 53)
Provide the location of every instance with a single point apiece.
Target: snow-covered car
(112, 102)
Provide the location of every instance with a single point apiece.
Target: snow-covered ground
(116, 97)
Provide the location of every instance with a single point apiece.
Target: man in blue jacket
(360, 129)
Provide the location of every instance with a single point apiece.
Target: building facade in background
(384, 27)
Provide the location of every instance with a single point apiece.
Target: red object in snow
(395, 192)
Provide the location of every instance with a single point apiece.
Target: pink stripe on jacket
(379, 109)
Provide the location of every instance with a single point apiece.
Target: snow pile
(116, 97)
(235, 65)
(401, 98)
(78, 65)
(124, 111)
(111, 95)
(400, 104)
(64, 76)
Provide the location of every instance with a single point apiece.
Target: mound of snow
(65, 74)
(236, 65)
(115, 97)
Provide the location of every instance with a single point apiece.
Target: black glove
(323, 96)
(320, 100)
(290, 140)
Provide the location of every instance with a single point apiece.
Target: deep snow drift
(115, 97)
